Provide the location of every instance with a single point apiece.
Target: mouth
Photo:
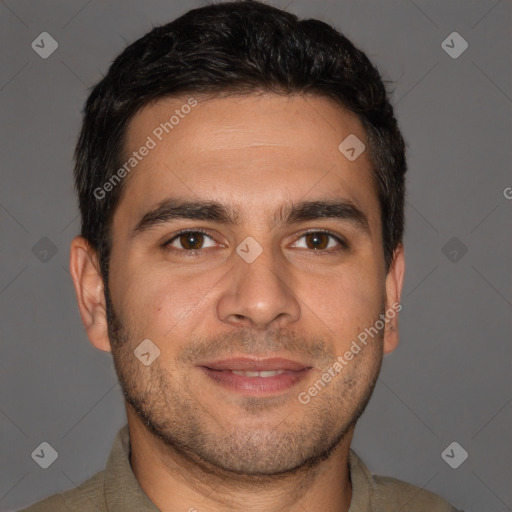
(256, 376)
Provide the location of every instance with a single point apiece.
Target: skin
(195, 444)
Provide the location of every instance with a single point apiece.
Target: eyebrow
(290, 213)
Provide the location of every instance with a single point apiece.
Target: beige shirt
(115, 489)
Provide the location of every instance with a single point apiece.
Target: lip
(221, 373)
(256, 365)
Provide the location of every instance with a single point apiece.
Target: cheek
(165, 305)
(173, 306)
(346, 302)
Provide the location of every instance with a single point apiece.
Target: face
(279, 270)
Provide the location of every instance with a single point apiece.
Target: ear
(89, 289)
(394, 284)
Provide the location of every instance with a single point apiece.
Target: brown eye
(317, 240)
(321, 241)
(189, 241)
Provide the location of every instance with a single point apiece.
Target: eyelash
(196, 252)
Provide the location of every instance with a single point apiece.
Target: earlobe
(394, 284)
(89, 290)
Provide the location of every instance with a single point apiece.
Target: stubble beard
(165, 404)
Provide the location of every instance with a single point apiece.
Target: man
(241, 184)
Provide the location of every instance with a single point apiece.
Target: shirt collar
(362, 484)
(122, 490)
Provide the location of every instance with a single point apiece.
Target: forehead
(255, 150)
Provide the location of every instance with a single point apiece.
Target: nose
(259, 295)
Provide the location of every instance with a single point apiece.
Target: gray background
(448, 381)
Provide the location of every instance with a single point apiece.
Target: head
(227, 123)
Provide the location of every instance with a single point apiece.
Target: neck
(174, 481)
